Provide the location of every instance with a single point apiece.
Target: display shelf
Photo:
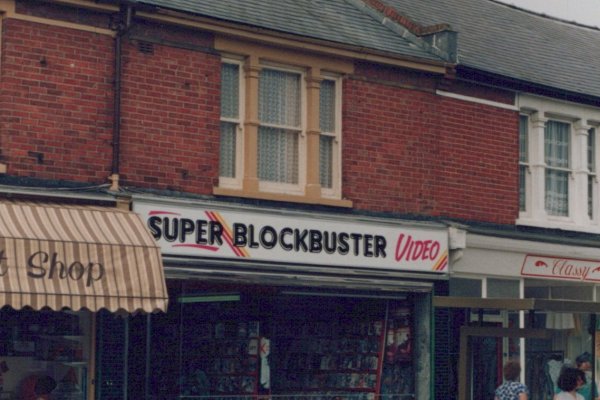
(345, 359)
(346, 390)
(397, 374)
(72, 338)
(331, 371)
(45, 344)
(227, 351)
(40, 346)
(82, 363)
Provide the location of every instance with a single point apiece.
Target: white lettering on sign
(268, 236)
(561, 268)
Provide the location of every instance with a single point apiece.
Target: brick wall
(171, 112)
(56, 101)
(390, 144)
(406, 150)
(412, 152)
(478, 162)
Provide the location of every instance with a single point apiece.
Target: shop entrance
(480, 362)
(549, 343)
(244, 342)
(486, 359)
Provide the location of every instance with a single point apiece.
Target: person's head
(584, 361)
(570, 378)
(512, 370)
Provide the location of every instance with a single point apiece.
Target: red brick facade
(57, 97)
(405, 149)
(171, 116)
(411, 151)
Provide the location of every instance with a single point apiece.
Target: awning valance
(75, 256)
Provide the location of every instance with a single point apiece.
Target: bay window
(280, 126)
(557, 165)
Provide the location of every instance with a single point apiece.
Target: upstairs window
(281, 128)
(279, 115)
(556, 155)
(523, 160)
(231, 123)
(557, 165)
(329, 138)
(591, 179)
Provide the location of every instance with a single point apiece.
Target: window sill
(219, 191)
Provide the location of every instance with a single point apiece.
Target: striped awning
(74, 256)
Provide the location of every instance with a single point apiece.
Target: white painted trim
(477, 100)
(484, 288)
(580, 118)
(527, 246)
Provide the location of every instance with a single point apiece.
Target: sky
(583, 11)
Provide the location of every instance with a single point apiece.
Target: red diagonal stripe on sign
(226, 233)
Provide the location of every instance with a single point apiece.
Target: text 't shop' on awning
(74, 256)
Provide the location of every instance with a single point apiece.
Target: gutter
(505, 82)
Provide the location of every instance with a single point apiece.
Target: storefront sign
(253, 235)
(561, 268)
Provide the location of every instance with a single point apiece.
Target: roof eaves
(160, 14)
(439, 39)
(477, 74)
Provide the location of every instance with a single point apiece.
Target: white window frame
(526, 165)
(594, 175)
(570, 170)
(236, 181)
(580, 118)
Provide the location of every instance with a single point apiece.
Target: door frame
(467, 332)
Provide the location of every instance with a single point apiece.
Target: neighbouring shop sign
(561, 268)
(271, 236)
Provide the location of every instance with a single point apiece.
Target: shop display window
(44, 355)
(270, 343)
(567, 340)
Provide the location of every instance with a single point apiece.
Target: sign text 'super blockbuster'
(257, 235)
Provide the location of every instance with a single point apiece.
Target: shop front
(59, 265)
(521, 299)
(282, 304)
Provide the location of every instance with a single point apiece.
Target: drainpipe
(123, 24)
